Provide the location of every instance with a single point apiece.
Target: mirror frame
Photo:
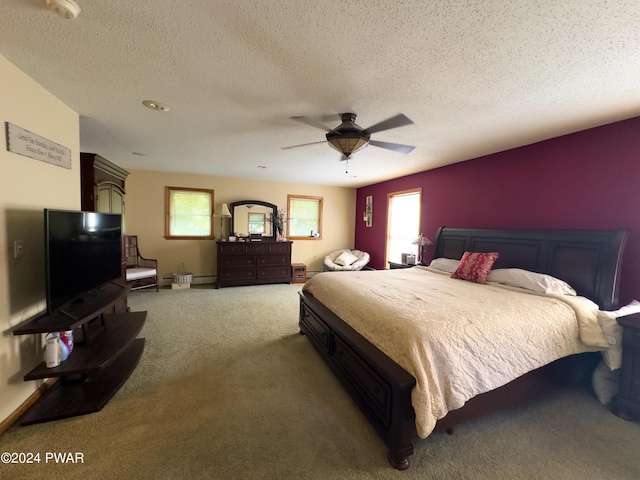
(240, 203)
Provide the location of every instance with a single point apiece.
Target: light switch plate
(18, 249)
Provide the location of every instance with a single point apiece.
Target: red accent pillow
(475, 267)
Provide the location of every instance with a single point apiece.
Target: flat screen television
(82, 253)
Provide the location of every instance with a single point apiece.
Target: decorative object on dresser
(589, 261)
(253, 263)
(421, 241)
(627, 403)
(222, 212)
(141, 272)
(278, 219)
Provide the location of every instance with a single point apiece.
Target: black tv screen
(82, 252)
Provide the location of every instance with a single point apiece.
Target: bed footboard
(380, 387)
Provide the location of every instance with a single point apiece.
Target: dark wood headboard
(588, 260)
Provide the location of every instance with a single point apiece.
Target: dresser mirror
(252, 216)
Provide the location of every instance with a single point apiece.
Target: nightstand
(627, 403)
(394, 265)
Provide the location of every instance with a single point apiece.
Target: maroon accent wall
(586, 180)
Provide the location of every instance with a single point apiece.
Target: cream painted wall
(27, 186)
(145, 218)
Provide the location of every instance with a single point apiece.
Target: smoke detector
(65, 8)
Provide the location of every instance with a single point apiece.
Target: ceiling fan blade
(302, 145)
(399, 120)
(312, 122)
(396, 147)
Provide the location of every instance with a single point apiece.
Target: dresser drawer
(239, 273)
(367, 383)
(273, 260)
(257, 248)
(283, 272)
(240, 261)
(231, 248)
(280, 248)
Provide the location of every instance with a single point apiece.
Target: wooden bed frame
(587, 260)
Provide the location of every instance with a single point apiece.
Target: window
(305, 217)
(403, 223)
(257, 222)
(188, 213)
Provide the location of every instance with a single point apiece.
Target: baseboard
(26, 405)
(207, 280)
(167, 281)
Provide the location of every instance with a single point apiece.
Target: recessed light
(153, 105)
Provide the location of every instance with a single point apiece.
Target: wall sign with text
(23, 142)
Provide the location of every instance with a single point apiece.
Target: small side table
(394, 265)
(627, 403)
(298, 273)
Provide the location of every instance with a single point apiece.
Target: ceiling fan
(349, 138)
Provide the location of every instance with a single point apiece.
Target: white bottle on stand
(52, 350)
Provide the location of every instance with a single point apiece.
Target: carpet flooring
(227, 388)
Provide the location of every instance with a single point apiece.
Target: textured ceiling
(476, 77)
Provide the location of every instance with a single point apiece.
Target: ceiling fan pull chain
(347, 170)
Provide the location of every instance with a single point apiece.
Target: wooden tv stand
(105, 354)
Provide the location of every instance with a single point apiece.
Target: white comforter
(457, 338)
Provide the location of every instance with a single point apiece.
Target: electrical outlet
(18, 249)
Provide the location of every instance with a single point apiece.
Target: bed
(353, 341)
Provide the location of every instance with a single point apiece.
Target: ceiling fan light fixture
(348, 145)
(348, 138)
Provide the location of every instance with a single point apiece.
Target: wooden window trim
(320, 213)
(167, 214)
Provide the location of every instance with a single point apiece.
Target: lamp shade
(348, 145)
(222, 211)
(422, 240)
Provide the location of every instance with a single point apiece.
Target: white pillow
(445, 264)
(345, 259)
(612, 331)
(537, 282)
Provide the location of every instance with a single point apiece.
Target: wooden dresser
(253, 263)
